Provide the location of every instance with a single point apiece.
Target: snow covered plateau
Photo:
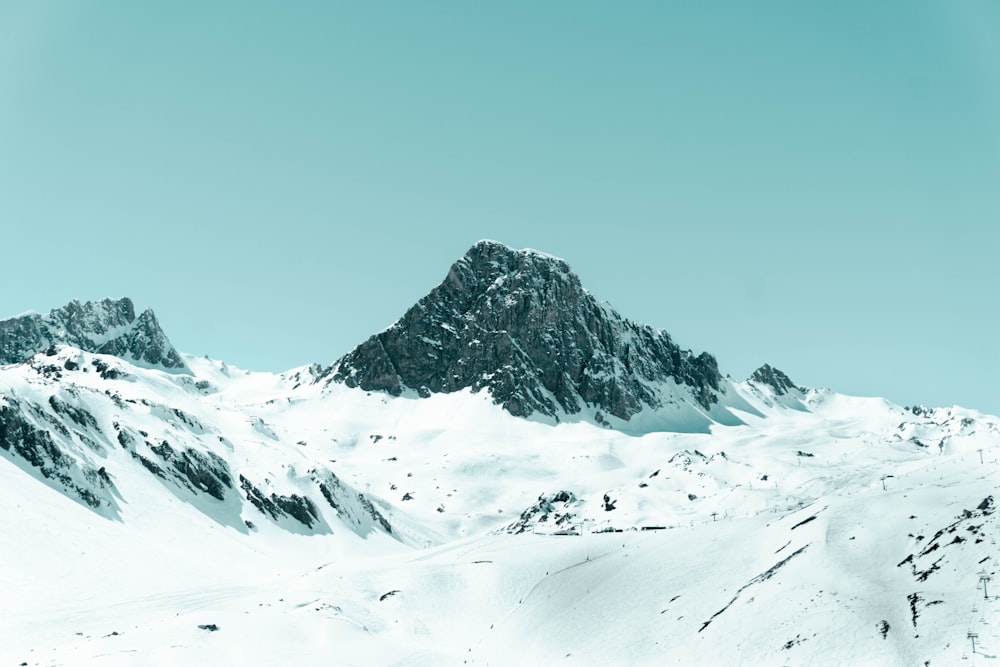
(512, 474)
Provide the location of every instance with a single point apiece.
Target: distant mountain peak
(519, 324)
(108, 326)
(780, 383)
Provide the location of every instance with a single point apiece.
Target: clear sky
(813, 185)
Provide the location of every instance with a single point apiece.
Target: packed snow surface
(825, 530)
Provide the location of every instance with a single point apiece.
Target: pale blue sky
(814, 185)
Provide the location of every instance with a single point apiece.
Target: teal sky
(813, 185)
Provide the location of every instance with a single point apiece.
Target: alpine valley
(511, 474)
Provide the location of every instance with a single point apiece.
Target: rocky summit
(109, 326)
(780, 383)
(519, 324)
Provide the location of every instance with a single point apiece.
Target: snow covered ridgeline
(92, 406)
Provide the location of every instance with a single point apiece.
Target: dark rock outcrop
(519, 324)
(775, 379)
(36, 447)
(354, 507)
(109, 326)
(197, 471)
(554, 512)
(295, 506)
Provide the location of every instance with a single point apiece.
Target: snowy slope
(785, 515)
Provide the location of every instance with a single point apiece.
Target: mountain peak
(485, 245)
(519, 324)
(491, 248)
(491, 259)
(775, 379)
(490, 266)
(108, 326)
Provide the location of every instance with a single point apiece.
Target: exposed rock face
(194, 470)
(294, 506)
(775, 379)
(352, 506)
(103, 327)
(39, 446)
(519, 324)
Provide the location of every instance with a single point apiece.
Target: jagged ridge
(109, 326)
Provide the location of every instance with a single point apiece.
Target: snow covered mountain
(519, 324)
(608, 499)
